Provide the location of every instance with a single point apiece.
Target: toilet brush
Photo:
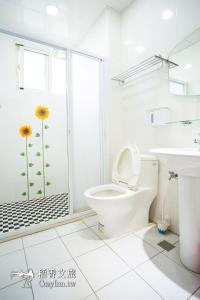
(164, 223)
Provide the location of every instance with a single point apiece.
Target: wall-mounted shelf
(183, 122)
(151, 63)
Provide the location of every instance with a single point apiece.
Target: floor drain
(166, 245)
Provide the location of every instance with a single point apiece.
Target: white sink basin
(188, 152)
(179, 158)
(186, 162)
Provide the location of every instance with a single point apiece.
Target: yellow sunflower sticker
(25, 131)
(42, 112)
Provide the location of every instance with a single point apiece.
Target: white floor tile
(101, 266)
(91, 221)
(39, 237)
(71, 227)
(16, 292)
(10, 246)
(128, 287)
(106, 239)
(13, 262)
(82, 241)
(151, 235)
(169, 279)
(196, 296)
(47, 254)
(79, 292)
(133, 250)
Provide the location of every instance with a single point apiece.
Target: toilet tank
(149, 173)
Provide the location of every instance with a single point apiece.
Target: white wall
(141, 24)
(104, 39)
(149, 92)
(16, 109)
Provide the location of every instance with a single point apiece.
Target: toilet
(123, 205)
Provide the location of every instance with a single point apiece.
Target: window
(44, 71)
(35, 71)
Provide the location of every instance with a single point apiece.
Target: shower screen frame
(102, 120)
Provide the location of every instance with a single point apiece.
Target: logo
(26, 276)
(48, 278)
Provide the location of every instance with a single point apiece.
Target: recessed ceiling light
(167, 14)
(139, 49)
(187, 66)
(52, 10)
(128, 42)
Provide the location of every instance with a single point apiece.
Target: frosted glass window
(59, 74)
(35, 70)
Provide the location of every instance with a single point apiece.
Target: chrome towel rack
(147, 64)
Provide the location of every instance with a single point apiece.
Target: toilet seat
(108, 191)
(126, 168)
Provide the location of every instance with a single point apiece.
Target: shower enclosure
(51, 120)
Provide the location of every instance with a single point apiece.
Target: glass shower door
(87, 163)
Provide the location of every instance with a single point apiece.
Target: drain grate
(166, 245)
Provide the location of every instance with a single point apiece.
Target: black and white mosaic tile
(18, 215)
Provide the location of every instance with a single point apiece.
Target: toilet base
(119, 225)
(126, 212)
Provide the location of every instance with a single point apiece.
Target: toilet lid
(127, 166)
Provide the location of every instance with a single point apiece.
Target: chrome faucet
(172, 175)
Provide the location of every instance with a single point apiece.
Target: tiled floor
(131, 266)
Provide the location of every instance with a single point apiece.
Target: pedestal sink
(186, 162)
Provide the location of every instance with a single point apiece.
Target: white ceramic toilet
(124, 204)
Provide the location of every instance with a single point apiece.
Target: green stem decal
(43, 161)
(25, 132)
(27, 170)
(42, 113)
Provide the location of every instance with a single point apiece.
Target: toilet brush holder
(162, 226)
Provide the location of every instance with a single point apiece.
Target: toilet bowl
(124, 204)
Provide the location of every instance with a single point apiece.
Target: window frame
(48, 68)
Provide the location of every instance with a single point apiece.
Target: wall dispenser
(158, 116)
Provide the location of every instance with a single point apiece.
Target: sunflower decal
(42, 112)
(26, 131)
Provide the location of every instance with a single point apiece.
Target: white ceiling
(75, 18)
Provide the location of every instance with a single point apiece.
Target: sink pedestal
(186, 162)
(189, 218)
